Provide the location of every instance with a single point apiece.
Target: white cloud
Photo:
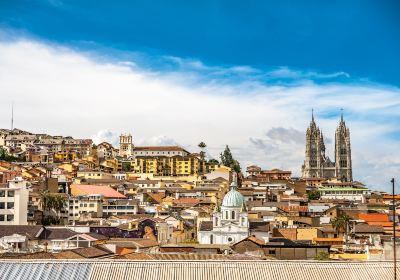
(61, 91)
(105, 135)
(160, 140)
(285, 72)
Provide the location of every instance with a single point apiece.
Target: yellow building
(94, 174)
(167, 166)
(62, 156)
(112, 165)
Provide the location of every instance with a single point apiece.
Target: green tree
(9, 158)
(342, 224)
(213, 161)
(202, 146)
(322, 256)
(313, 195)
(51, 202)
(228, 160)
(126, 166)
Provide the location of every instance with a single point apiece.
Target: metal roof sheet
(249, 270)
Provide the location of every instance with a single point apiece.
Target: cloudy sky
(216, 71)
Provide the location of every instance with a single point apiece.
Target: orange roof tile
(387, 196)
(374, 217)
(335, 239)
(107, 191)
(186, 200)
(384, 224)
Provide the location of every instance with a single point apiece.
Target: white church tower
(125, 145)
(230, 224)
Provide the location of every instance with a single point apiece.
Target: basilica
(317, 164)
(229, 224)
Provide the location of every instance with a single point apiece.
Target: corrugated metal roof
(142, 270)
(44, 270)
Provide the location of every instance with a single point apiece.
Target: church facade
(229, 224)
(317, 164)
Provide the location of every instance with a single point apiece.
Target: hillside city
(66, 198)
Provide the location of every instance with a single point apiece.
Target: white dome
(233, 198)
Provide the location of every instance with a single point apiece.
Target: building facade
(230, 224)
(167, 166)
(317, 164)
(14, 202)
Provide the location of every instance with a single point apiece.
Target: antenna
(12, 115)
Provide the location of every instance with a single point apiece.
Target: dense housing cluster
(68, 198)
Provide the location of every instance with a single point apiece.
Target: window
(10, 205)
(211, 239)
(1, 218)
(10, 218)
(230, 239)
(10, 193)
(2, 205)
(2, 193)
(233, 215)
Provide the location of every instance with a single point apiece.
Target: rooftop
(106, 191)
(199, 269)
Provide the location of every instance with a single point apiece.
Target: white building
(344, 193)
(85, 206)
(14, 199)
(229, 225)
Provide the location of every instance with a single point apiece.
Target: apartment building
(14, 197)
(167, 166)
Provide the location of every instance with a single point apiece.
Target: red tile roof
(186, 201)
(159, 148)
(374, 217)
(107, 191)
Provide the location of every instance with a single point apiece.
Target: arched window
(233, 215)
(211, 239)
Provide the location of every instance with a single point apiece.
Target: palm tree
(44, 200)
(50, 202)
(341, 224)
(58, 203)
(202, 146)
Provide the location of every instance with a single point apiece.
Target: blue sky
(360, 37)
(243, 73)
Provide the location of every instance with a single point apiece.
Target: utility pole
(394, 231)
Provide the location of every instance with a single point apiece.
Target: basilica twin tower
(317, 164)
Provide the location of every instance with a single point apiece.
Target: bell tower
(343, 164)
(315, 151)
(125, 145)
